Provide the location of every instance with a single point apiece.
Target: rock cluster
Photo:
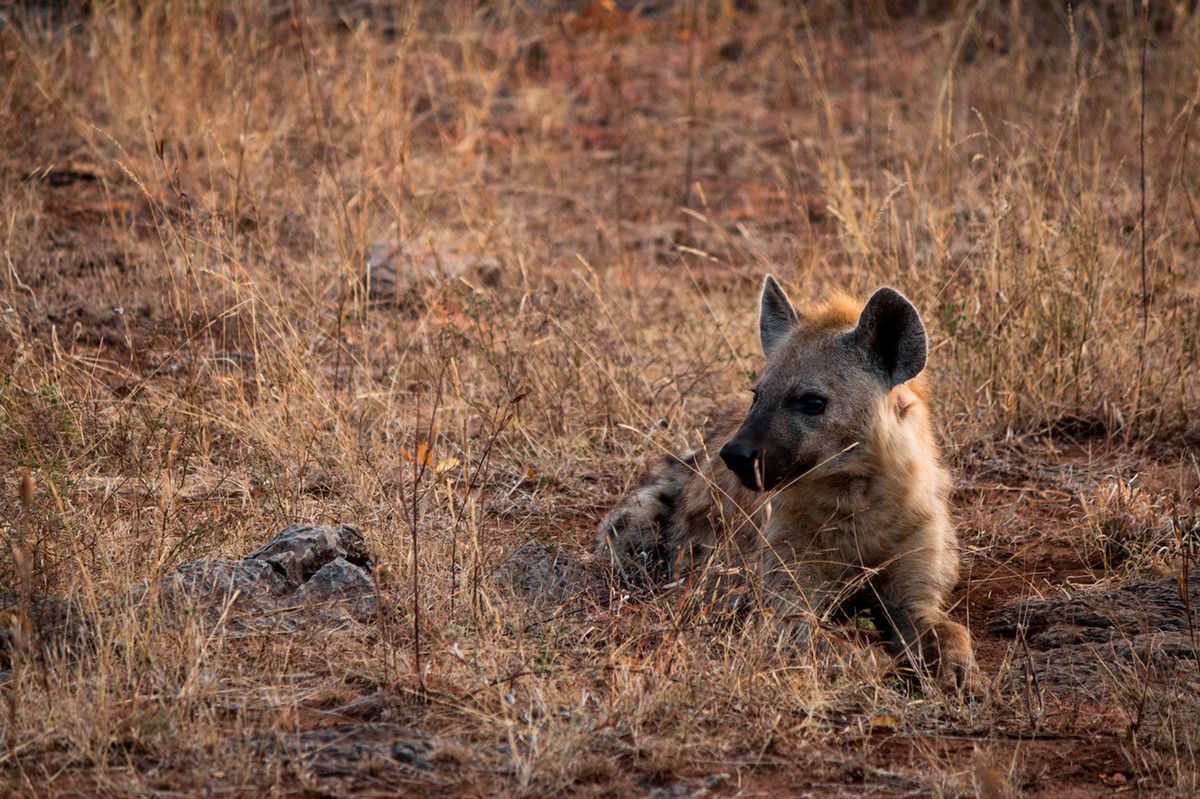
(305, 568)
(306, 573)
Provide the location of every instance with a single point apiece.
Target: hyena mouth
(797, 472)
(769, 479)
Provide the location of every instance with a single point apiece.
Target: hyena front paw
(629, 540)
(955, 661)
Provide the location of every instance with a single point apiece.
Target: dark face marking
(814, 399)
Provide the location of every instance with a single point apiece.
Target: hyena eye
(808, 404)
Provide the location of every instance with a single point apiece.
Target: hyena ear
(892, 333)
(776, 316)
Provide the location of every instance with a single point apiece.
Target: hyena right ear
(776, 316)
(893, 335)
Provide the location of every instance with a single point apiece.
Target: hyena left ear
(776, 316)
(892, 333)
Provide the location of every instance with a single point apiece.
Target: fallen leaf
(423, 457)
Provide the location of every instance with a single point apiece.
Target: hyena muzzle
(828, 492)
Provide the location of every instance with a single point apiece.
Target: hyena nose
(742, 460)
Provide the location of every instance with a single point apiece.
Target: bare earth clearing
(455, 273)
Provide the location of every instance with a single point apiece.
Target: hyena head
(823, 387)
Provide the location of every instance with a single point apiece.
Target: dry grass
(191, 362)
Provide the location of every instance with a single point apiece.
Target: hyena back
(829, 491)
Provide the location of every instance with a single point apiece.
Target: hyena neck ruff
(887, 485)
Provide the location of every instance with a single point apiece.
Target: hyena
(829, 492)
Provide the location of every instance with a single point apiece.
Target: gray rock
(550, 577)
(216, 582)
(305, 571)
(1096, 639)
(344, 750)
(301, 550)
(341, 586)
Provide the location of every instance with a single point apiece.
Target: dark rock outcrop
(1097, 639)
(341, 583)
(304, 574)
(301, 550)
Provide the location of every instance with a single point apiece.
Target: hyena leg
(631, 537)
(910, 613)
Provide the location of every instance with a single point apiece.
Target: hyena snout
(745, 461)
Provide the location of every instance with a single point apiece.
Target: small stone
(732, 50)
(321, 482)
